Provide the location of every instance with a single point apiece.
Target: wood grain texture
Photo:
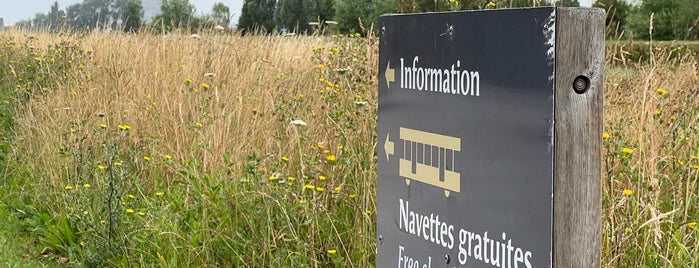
(577, 137)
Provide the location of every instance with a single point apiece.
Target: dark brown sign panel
(466, 109)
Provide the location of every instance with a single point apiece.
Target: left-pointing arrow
(390, 75)
(388, 146)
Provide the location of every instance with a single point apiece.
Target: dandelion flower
(694, 157)
(695, 166)
(132, 196)
(199, 125)
(205, 86)
(321, 79)
(311, 187)
(37, 59)
(87, 185)
(117, 164)
(352, 196)
(368, 211)
(330, 158)
(491, 4)
(660, 91)
(680, 162)
(101, 167)
(147, 158)
(321, 66)
(322, 178)
(272, 178)
(168, 157)
(124, 127)
(188, 81)
(285, 159)
(290, 178)
(158, 193)
(692, 224)
(326, 151)
(338, 188)
(340, 147)
(627, 150)
(627, 192)
(130, 211)
(68, 187)
(141, 213)
(320, 146)
(332, 251)
(320, 189)
(605, 136)
(658, 112)
(103, 125)
(629, 230)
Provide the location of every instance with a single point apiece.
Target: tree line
(671, 19)
(126, 15)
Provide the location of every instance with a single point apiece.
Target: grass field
(229, 151)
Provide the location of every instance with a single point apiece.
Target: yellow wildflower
(680, 162)
(491, 4)
(332, 251)
(629, 230)
(661, 91)
(322, 178)
(321, 79)
(285, 159)
(320, 189)
(147, 158)
(340, 147)
(168, 157)
(338, 188)
(158, 193)
(694, 157)
(352, 196)
(368, 211)
(141, 213)
(308, 186)
(692, 224)
(272, 178)
(37, 59)
(199, 125)
(205, 86)
(657, 112)
(117, 164)
(132, 196)
(103, 125)
(290, 178)
(101, 167)
(188, 81)
(326, 151)
(627, 150)
(130, 211)
(320, 146)
(695, 166)
(331, 158)
(68, 187)
(321, 66)
(673, 118)
(605, 136)
(87, 185)
(627, 192)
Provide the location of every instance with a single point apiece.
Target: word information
(452, 80)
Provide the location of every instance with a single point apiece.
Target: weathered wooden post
(490, 132)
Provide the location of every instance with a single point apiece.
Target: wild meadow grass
(260, 151)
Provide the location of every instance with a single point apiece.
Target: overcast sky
(13, 11)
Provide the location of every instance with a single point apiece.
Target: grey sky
(13, 11)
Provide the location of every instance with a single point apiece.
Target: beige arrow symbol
(390, 75)
(388, 146)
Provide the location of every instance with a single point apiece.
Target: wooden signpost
(490, 131)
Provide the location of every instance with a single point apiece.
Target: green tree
(672, 19)
(257, 15)
(221, 14)
(349, 12)
(617, 11)
(297, 14)
(131, 12)
(175, 14)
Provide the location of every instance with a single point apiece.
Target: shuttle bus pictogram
(428, 158)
